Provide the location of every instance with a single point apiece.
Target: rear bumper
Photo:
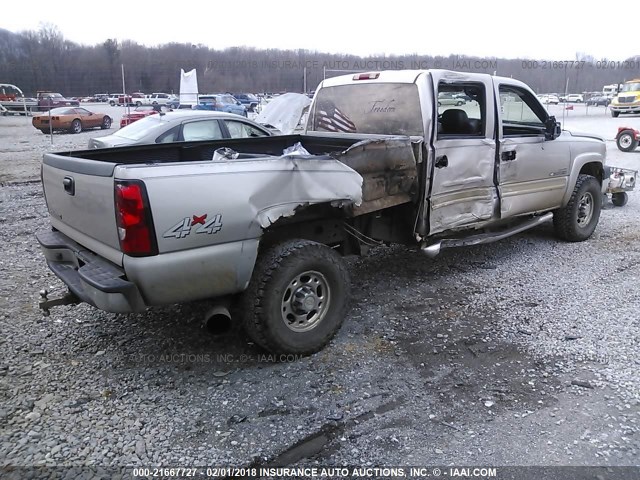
(88, 276)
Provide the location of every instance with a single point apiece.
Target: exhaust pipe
(217, 320)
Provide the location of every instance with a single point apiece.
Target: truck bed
(388, 165)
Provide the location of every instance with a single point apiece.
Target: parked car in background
(70, 119)
(134, 99)
(174, 103)
(182, 126)
(249, 100)
(220, 102)
(113, 98)
(447, 98)
(599, 100)
(574, 98)
(49, 100)
(158, 98)
(549, 99)
(141, 112)
(286, 114)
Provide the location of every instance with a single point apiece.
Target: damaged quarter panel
(208, 236)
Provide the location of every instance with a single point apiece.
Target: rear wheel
(76, 126)
(577, 221)
(297, 298)
(626, 141)
(619, 199)
(106, 123)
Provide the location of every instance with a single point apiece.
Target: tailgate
(80, 199)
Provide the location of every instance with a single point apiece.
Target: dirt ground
(523, 352)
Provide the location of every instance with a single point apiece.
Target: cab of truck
(627, 100)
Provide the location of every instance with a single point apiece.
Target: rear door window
(242, 130)
(461, 109)
(201, 130)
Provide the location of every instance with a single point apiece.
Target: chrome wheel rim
(625, 141)
(305, 301)
(585, 209)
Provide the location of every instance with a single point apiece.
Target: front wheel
(614, 114)
(76, 126)
(297, 298)
(577, 221)
(106, 123)
(626, 141)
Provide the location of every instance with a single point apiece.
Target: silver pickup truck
(433, 159)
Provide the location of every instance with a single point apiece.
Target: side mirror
(553, 128)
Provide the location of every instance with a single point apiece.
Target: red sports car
(142, 112)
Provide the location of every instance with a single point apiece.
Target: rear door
(533, 171)
(463, 186)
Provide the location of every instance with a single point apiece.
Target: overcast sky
(544, 29)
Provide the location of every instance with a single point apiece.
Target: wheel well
(324, 224)
(593, 169)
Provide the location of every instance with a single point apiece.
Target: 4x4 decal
(184, 226)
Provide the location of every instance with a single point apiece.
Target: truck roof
(410, 76)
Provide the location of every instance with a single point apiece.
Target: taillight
(133, 218)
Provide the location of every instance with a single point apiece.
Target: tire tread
(268, 263)
(563, 220)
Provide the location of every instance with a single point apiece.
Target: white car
(574, 98)
(549, 99)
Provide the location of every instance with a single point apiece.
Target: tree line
(45, 60)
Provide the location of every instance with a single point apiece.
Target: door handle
(442, 161)
(508, 156)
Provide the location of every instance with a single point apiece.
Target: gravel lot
(523, 352)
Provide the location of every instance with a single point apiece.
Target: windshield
(380, 108)
(140, 129)
(631, 87)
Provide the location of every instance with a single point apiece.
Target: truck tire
(297, 297)
(614, 114)
(626, 141)
(577, 221)
(619, 199)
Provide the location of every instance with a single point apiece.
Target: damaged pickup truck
(250, 221)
